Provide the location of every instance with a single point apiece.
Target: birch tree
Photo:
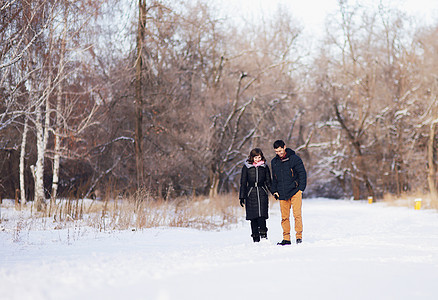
(58, 110)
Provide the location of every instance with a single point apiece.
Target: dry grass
(134, 212)
(408, 200)
(143, 211)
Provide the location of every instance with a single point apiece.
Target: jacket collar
(289, 153)
(248, 165)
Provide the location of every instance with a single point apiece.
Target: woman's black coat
(255, 182)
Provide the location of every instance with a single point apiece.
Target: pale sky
(312, 13)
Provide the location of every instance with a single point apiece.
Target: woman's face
(257, 158)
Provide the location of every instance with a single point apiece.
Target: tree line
(108, 97)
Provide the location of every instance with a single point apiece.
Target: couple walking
(288, 182)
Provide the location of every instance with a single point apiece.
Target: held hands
(242, 202)
(276, 196)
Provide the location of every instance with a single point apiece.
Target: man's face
(280, 151)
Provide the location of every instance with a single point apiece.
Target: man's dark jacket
(288, 175)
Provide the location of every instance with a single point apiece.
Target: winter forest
(109, 98)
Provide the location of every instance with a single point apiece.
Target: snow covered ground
(350, 250)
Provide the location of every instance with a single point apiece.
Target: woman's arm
(243, 182)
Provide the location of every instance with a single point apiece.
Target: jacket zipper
(257, 186)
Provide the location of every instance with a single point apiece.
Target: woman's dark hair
(255, 152)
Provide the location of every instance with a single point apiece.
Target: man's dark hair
(278, 144)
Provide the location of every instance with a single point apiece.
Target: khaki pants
(285, 206)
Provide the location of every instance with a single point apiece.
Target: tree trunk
(214, 185)
(22, 162)
(39, 166)
(42, 125)
(359, 157)
(138, 93)
(431, 176)
(57, 146)
(355, 182)
(56, 160)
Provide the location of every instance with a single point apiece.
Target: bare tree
(427, 63)
(138, 91)
(371, 87)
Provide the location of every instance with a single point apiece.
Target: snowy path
(351, 250)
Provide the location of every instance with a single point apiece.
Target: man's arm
(302, 174)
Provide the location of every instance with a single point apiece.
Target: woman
(255, 182)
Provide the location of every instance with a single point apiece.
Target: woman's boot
(263, 233)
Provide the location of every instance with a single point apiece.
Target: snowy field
(350, 250)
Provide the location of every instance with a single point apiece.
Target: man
(289, 179)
